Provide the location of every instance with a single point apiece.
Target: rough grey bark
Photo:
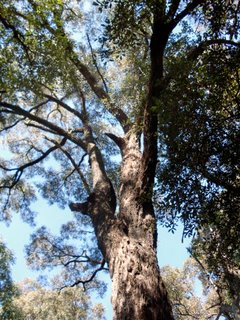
(137, 289)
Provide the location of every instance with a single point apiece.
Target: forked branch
(191, 6)
(204, 45)
(84, 282)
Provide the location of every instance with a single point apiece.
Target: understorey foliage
(127, 113)
(36, 301)
(8, 290)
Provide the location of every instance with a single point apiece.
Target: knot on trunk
(83, 207)
(120, 142)
(80, 207)
(103, 196)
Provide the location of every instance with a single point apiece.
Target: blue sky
(170, 249)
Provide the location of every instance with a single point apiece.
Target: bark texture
(138, 291)
(128, 240)
(137, 288)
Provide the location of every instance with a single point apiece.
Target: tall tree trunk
(137, 288)
(128, 240)
(138, 291)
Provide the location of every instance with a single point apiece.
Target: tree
(71, 107)
(38, 302)
(219, 271)
(8, 290)
(200, 172)
(181, 284)
(210, 301)
(199, 175)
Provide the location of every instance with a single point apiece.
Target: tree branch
(197, 51)
(64, 105)
(101, 93)
(16, 34)
(12, 125)
(118, 140)
(19, 170)
(76, 167)
(188, 9)
(93, 82)
(96, 65)
(173, 9)
(158, 43)
(217, 180)
(29, 124)
(83, 258)
(58, 130)
(84, 70)
(84, 282)
(79, 207)
(219, 315)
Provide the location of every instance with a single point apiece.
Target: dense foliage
(200, 170)
(219, 269)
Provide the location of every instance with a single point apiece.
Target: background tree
(196, 293)
(219, 270)
(200, 171)
(8, 291)
(185, 292)
(75, 116)
(38, 302)
(180, 284)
